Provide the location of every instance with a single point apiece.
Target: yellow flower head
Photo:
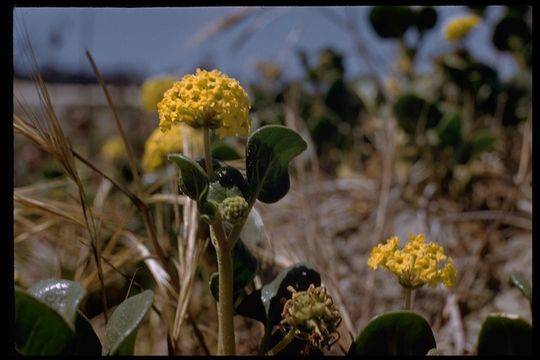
(152, 91)
(113, 149)
(210, 99)
(459, 27)
(159, 145)
(416, 264)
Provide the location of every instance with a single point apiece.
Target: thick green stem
(408, 295)
(226, 341)
(286, 340)
(207, 152)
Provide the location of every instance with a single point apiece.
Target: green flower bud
(313, 315)
(234, 209)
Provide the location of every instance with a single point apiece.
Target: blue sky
(160, 40)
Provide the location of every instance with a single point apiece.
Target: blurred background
(152, 41)
(418, 119)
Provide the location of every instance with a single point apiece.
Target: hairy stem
(226, 340)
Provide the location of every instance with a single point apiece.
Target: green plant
(48, 321)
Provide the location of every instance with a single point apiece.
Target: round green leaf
(64, 296)
(425, 18)
(123, 325)
(268, 153)
(390, 21)
(39, 329)
(504, 334)
(394, 333)
(511, 34)
(193, 178)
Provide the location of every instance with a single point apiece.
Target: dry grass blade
(57, 209)
(259, 23)
(127, 146)
(47, 128)
(223, 24)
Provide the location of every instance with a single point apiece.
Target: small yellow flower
(152, 91)
(460, 27)
(416, 264)
(159, 145)
(210, 99)
(380, 253)
(113, 149)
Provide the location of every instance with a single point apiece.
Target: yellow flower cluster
(210, 99)
(113, 149)
(159, 145)
(416, 264)
(459, 27)
(152, 91)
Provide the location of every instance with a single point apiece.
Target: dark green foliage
(394, 333)
(512, 33)
(409, 109)
(272, 296)
(390, 21)
(268, 153)
(122, 327)
(505, 335)
(425, 18)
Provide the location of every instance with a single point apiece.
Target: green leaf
(86, 341)
(409, 109)
(468, 150)
(64, 296)
(299, 276)
(39, 329)
(268, 153)
(244, 270)
(449, 130)
(193, 178)
(252, 307)
(504, 334)
(512, 33)
(227, 182)
(518, 279)
(123, 325)
(394, 333)
(425, 18)
(224, 152)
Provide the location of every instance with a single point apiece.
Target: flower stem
(226, 341)
(286, 340)
(408, 296)
(207, 152)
